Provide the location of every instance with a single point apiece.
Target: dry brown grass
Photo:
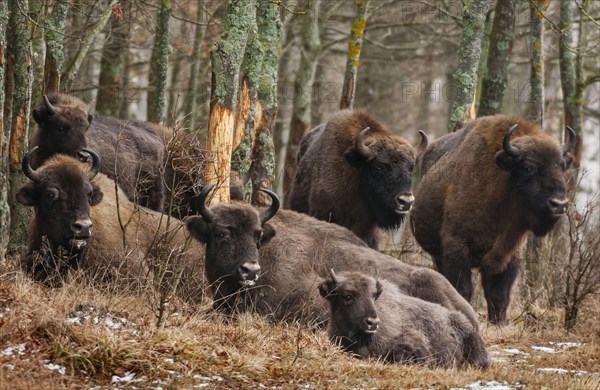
(200, 348)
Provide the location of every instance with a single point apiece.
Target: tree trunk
(354, 47)
(465, 77)
(226, 59)
(305, 77)
(23, 80)
(536, 78)
(500, 47)
(159, 65)
(4, 137)
(262, 171)
(111, 89)
(194, 70)
(39, 20)
(88, 41)
(55, 55)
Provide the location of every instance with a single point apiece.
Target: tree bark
(226, 59)
(23, 80)
(88, 41)
(111, 88)
(305, 77)
(465, 77)
(4, 137)
(498, 58)
(159, 64)
(354, 48)
(536, 78)
(194, 70)
(262, 170)
(55, 56)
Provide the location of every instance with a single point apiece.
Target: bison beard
(354, 172)
(483, 188)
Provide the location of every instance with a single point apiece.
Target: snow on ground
(487, 385)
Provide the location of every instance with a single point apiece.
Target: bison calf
(372, 318)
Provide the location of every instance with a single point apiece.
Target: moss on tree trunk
(354, 48)
(159, 65)
(4, 137)
(536, 77)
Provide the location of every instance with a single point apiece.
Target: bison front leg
(496, 288)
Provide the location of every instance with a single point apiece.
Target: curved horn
(569, 144)
(27, 170)
(506, 142)
(334, 278)
(272, 210)
(208, 215)
(424, 141)
(49, 107)
(360, 146)
(95, 163)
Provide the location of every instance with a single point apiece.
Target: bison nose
(405, 201)
(249, 270)
(371, 323)
(82, 228)
(557, 206)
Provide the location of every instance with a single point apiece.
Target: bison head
(232, 233)
(536, 166)
(352, 299)
(62, 195)
(62, 124)
(385, 163)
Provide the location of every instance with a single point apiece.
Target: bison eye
(348, 298)
(220, 235)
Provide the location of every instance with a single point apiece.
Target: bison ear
(198, 228)
(327, 288)
(90, 118)
(504, 161)
(352, 155)
(268, 233)
(378, 289)
(27, 195)
(97, 195)
(37, 117)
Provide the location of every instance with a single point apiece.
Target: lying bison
(83, 221)
(354, 172)
(372, 318)
(483, 188)
(272, 265)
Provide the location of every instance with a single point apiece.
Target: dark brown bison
(354, 172)
(274, 267)
(483, 188)
(84, 221)
(372, 318)
(132, 152)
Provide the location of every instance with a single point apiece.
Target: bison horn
(95, 163)
(569, 144)
(334, 278)
(208, 215)
(506, 142)
(272, 210)
(49, 107)
(27, 170)
(360, 146)
(424, 141)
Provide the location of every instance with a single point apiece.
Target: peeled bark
(465, 77)
(500, 47)
(159, 64)
(354, 47)
(536, 78)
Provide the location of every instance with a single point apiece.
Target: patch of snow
(515, 351)
(214, 378)
(56, 367)
(14, 350)
(544, 349)
(128, 377)
(10, 366)
(169, 360)
(562, 371)
(566, 344)
(486, 385)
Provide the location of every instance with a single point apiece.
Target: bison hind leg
(473, 347)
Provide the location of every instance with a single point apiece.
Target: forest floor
(79, 337)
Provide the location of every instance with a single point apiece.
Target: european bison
(354, 172)
(372, 318)
(483, 188)
(274, 267)
(73, 229)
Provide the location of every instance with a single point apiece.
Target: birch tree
(159, 65)
(354, 48)
(465, 77)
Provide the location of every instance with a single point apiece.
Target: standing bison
(354, 172)
(80, 222)
(271, 262)
(483, 188)
(372, 318)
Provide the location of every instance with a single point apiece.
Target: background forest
(249, 78)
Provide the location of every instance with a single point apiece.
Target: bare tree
(4, 137)
(55, 56)
(354, 47)
(536, 78)
(159, 65)
(192, 100)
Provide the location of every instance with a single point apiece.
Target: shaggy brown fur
(476, 202)
(372, 318)
(133, 254)
(296, 252)
(338, 183)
